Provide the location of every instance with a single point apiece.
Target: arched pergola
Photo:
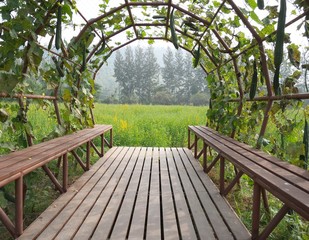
(254, 52)
(235, 39)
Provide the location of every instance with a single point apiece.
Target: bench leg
(222, 174)
(65, 172)
(88, 156)
(195, 146)
(204, 156)
(256, 210)
(102, 144)
(19, 206)
(189, 139)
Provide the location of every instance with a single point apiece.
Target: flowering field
(148, 125)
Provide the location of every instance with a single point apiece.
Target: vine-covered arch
(240, 45)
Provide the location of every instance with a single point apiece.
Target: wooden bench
(286, 182)
(140, 193)
(14, 166)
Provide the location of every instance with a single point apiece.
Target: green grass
(150, 126)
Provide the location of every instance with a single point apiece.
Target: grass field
(150, 126)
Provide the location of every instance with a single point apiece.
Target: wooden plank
(280, 171)
(121, 226)
(169, 221)
(296, 198)
(137, 227)
(290, 167)
(213, 214)
(109, 217)
(52, 211)
(153, 230)
(57, 145)
(96, 201)
(64, 216)
(228, 214)
(200, 219)
(29, 159)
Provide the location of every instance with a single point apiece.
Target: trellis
(230, 57)
(193, 22)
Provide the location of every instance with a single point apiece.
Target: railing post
(256, 210)
(19, 206)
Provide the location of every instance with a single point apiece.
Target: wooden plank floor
(140, 193)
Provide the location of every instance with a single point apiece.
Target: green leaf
(255, 17)
(294, 55)
(66, 9)
(151, 41)
(252, 4)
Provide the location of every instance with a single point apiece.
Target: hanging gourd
(254, 81)
(58, 26)
(279, 45)
(197, 55)
(260, 4)
(173, 31)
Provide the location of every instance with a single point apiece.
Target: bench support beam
(274, 222)
(7, 222)
(232, 184)
(52, 178)
(96, 149)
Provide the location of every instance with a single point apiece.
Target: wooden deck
(140, 193)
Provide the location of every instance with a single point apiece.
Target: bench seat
(288, 183)
(14, 166)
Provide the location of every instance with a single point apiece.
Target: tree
(168, 71)
(125, 75)
(151, 71)
(139, 71)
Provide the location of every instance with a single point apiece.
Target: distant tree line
(142, 80)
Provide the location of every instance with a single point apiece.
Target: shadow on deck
(140, 193)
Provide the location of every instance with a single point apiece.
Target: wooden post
(19, 206)
(65, 173)
(195, 146)
(222, 170)
(111, 138)
(102, 144)
(256, 210)
(204, 156)
(189, 138)
(88, 156)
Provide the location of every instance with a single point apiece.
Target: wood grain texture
(141, 193)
